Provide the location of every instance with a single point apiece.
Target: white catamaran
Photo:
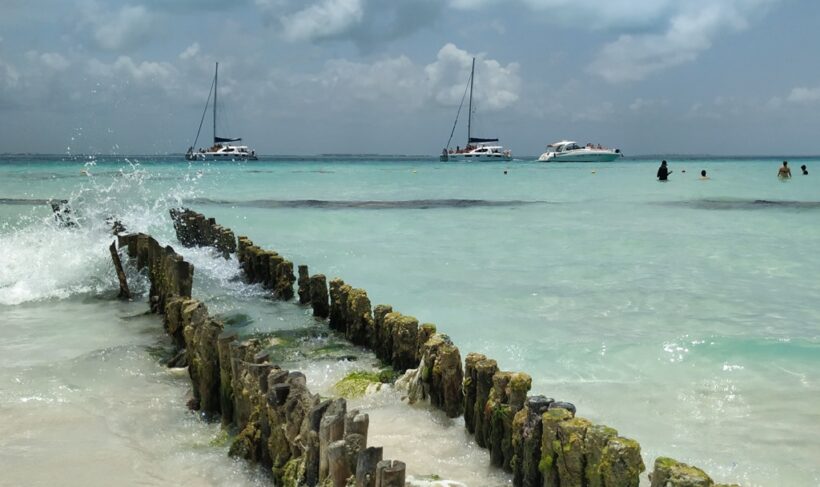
(477, 149)
(222, 149)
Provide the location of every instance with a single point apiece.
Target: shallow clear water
(683, 313)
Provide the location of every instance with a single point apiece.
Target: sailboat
(223, 147)
(477, 149)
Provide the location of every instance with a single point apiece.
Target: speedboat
(570, 151)
(222, 147)
(477, 149)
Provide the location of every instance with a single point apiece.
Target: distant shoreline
(423, 157)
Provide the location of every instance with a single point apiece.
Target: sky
(302, 77)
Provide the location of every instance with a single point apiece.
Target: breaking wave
(40, 258)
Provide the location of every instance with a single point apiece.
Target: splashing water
(40, 259)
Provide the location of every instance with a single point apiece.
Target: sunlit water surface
(684, 314)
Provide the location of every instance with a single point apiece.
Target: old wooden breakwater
(301, 438)
(539, 440)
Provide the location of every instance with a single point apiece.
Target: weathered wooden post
(223, 344)
(124, 292)
(405, 340)
(356, 426)
(338, 304)
(485, 370)
(382, 337)
(359, 317)
(337, 463)
(331, 428)
(318, 296)
(304, 284)
(390, 473)
(366, 466)
(526, 442)
(470, 380)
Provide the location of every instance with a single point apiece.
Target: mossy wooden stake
(337, 464)
(304, 285)
(390, 473)
(366, 466)
(469, 388)
(124, 292)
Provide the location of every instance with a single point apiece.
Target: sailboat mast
(470, 107)
(216, 76)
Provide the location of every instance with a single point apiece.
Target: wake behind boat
(570, 151)
(477, 149)
(222, 147)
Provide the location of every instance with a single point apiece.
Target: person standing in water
(784, 172)
(703, 174)
(805, 171)
(663, 172)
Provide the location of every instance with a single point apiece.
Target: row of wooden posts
(280, 424)
(536, 438)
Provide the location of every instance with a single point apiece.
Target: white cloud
(585, 14)
(323, 20)
(9, 76)
(116, 30)
(124, 68)
(803, 95)
(643, 104)
(400, 84)
(690, 31)
(51, 60)
(395, 81)
(654, 34)
(365, 22)
(496, 87)
(190, 52)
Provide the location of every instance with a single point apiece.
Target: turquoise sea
(684, 314)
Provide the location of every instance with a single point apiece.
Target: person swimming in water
(805, 171)
(784, 172)
(703, 175)
(663, 172)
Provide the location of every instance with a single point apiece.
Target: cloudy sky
(387, 76)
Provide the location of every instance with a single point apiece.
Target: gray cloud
(120, 29)
(804, 96)
(689, 31)
(364, 22)
(398, 84)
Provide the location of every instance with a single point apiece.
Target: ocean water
(684, 314)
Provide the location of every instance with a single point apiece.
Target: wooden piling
(318, 296)
(124, 292)
(337, 463)
(304, 284)
(390, 473)
(368, 459)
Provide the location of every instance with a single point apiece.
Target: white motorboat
(477, 149)
(223, 147)
(570, 151)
